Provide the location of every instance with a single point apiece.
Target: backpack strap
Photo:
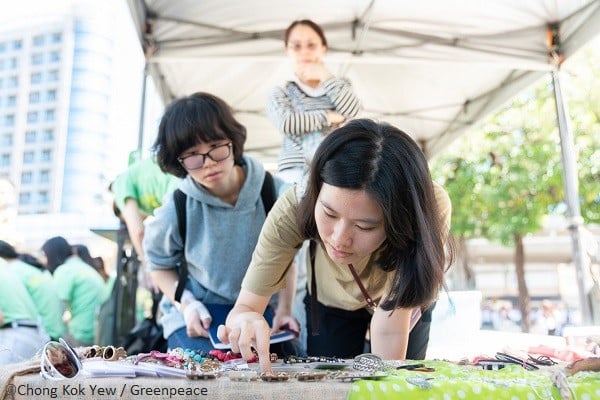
(180, 199)
(267, 195)
(267, 192)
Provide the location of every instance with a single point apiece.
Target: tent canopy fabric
(432, 68)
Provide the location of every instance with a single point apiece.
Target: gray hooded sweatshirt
(220, 240)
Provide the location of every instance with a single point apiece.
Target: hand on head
(247, 330)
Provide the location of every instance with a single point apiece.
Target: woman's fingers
(223, 334)
(262, 345)
(246, 332)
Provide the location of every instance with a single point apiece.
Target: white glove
(196, 307)
(193, 306)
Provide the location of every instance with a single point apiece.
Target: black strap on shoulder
(180, 199)
(267, 192)
(267, 195)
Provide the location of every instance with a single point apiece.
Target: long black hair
(8, 252)
(57, 250)
(388, 165)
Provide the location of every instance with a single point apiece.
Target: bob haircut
(200, 117)
(307, 22)
(391, 168)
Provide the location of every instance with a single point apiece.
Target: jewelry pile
(198, 365)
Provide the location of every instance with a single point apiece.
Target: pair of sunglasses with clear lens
(59, 361)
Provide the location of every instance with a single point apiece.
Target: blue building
(58, 142)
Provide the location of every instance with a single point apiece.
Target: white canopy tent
(431, 67)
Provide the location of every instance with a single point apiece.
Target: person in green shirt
(40, 285)
(20, 335)
(81, 288)
(138, 191)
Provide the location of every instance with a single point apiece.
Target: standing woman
(80, 287)
(311, 103)
(41, 287)
(379, 224)
(20, 335)
(305, 109)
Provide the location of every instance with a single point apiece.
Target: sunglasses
(196, 160)
(59, 361)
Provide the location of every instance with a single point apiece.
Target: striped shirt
(296, 114)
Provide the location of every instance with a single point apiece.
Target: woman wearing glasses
(200, 141)
(379, 226)
(311, 103)
(305, 108)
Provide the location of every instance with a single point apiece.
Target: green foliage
(505, 177)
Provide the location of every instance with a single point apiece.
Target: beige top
(279, 241)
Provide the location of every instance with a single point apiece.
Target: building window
(36, 77)
(37, 59)
(46, 155)
(38, 40)
(5, 160)
(24, 198)
(13, 63)
(7, 139)
(49, 115)
(55, 56)
(34, 97)
(53, 75)
(48, 136)
(44, 176)
(9, 120)
(28, 157)
(27, 177)
(32, 116)
(2, 47)
(43, 197)
(13, 82)
(1, 64)
(56, 37)
(51, 95)
(30, 136)
(11, 100)
(17, 44)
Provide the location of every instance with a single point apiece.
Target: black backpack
(148, 334)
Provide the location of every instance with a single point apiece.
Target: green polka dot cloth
(457, 382)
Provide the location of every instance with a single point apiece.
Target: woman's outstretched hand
(246, 330)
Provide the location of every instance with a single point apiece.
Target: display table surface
(30, 384)
(448, 381)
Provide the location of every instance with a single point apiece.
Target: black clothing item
(342, 332)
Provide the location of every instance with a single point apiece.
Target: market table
(441, 380)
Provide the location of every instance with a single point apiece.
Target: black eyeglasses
(196, 160)
(59, 361)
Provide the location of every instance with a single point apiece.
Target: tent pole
(571, 187)
(142, 112)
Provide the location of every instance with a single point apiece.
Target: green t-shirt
(144, 182)
(42, 290)
(15, 302)
(83, 289)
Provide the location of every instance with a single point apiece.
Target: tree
(505, 177)
(513, 178)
